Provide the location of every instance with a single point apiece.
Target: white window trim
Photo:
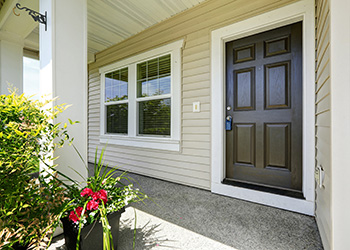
(132, 139)
(300, 11)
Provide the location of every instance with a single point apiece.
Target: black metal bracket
(38, 17)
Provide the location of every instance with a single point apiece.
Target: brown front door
(264, 99)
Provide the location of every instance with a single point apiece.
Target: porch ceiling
(109, 21)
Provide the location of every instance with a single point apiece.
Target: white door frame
(300, 11)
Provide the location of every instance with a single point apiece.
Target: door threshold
(267, 189)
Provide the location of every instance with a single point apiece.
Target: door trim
(300, 11)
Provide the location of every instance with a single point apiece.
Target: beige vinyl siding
(190, 166)
(323, 117)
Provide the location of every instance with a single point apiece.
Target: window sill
(142, 142)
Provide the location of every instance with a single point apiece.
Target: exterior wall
(11, 64)
(323, 120)
(340, 118)
(190, 166)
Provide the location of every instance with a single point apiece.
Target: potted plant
(92, 212)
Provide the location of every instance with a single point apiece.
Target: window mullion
(155, 97)
(132, 121)
(116, 102)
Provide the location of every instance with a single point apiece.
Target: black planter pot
(17, 246)
(91, 237)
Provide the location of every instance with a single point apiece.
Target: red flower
(96, 196)
(92, 205)
(100, 195)
(79, 210)
(103, 195)
(86, 191)
(75, 215)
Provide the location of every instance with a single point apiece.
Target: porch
(105, 37)
(182, 217)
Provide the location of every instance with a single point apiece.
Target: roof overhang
(109, 21)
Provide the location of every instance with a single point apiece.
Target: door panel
(277, 146)
(244, 89)
(277, 84)
(264, 98)
(244, 144)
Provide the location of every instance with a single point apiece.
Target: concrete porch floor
(188, 218)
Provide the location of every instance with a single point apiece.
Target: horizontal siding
(323, 120)
(190, 166)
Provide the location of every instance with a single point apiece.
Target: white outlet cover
(196, 107)
(319, 175)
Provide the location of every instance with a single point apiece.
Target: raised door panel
(244, 144)
(244, 89)
(277, 146)
(277, 46)
(277, 85)
(244, 54)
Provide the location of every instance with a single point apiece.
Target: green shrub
(28, 207)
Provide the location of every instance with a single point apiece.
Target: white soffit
(112, 21)
(17, 26)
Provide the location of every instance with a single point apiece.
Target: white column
(340, 126)
(63, 74)
(11, 62)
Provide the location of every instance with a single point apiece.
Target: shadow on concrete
(144, 238)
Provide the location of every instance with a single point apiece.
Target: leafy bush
(28, 207)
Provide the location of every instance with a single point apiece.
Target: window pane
(142, 71)
(152, 69)
(164, 65)
(142, 88)
(117, 118)
(152, 86)
(116, 85)
(124, 75)
(154, 117)
(108, 88)
(153, 77)
(164, 85)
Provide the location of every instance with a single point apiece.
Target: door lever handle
(228, 123)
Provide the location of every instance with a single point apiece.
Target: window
(116, 101)
(141, 99)
(154, 79)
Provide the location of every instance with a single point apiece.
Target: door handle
(228, 124)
